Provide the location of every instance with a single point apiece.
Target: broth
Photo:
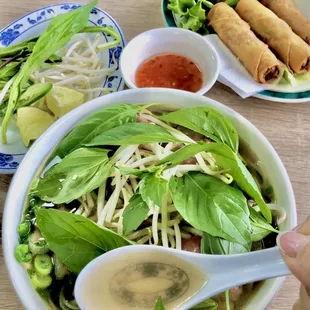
(135, 282)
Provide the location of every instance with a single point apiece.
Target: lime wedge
(61, 100)
(32, 122)
(41, 104)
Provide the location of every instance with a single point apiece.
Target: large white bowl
(43, 147)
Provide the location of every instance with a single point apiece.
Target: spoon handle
(226, 272)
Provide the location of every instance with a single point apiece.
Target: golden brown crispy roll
(237, 35)
(288, 46)
(287, 10)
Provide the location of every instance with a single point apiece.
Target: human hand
(295, 249)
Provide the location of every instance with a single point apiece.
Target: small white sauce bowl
(175, 41)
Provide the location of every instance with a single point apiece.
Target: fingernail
(291, 243)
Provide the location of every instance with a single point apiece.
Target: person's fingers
(295, 249)
(303, 303)
(304, 228)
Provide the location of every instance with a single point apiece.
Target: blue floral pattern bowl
(31, 25)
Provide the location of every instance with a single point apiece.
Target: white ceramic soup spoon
(133, 277)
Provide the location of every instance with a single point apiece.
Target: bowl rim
(207, 85)
(42, 148)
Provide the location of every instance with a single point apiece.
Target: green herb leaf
(109, 30)
(57, 34)
(180, 7)
(134, 133)
(159, 304)
(138, 172)
(208, 304)
(74, 239)
(198, 11)
(226, 159)
(190, 22)
(96, 124)
(77, 174)
(9, 70)
(260, 228)
(208, 122)
(212, 206)
(34, 93)
(219, 246)
(134, 214)
(15, 49)
(153, 188)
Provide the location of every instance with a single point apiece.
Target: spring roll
(287, 10)
(237, 35)
(287, 45)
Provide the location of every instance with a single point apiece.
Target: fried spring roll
(237, 35)
(288, 46)
(287, 10)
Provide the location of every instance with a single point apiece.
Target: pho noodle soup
(156, 174)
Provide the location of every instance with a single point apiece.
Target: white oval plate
(31, 25)
(279, 93)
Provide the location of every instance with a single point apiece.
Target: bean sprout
(81, 67)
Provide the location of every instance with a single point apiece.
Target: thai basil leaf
(259, 233)
(219, 246)
(208, 304)
(260, 228)
(212, 206)
(58, 33)
(159, 304)
(208, 122)
(153, 188)
(137, 172)
(77, 174)
(74, 239)
(135, 133)
(96, 124)
(226, 159)
(134, 214)
(229, 160)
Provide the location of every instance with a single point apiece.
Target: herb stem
(227, 300)
(208, 4)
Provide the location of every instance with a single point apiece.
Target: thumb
(295, 249)
(292, 243)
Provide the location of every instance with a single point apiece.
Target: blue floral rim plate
(31, 25)
(271, 95)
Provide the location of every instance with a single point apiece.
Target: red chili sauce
(169, 71)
